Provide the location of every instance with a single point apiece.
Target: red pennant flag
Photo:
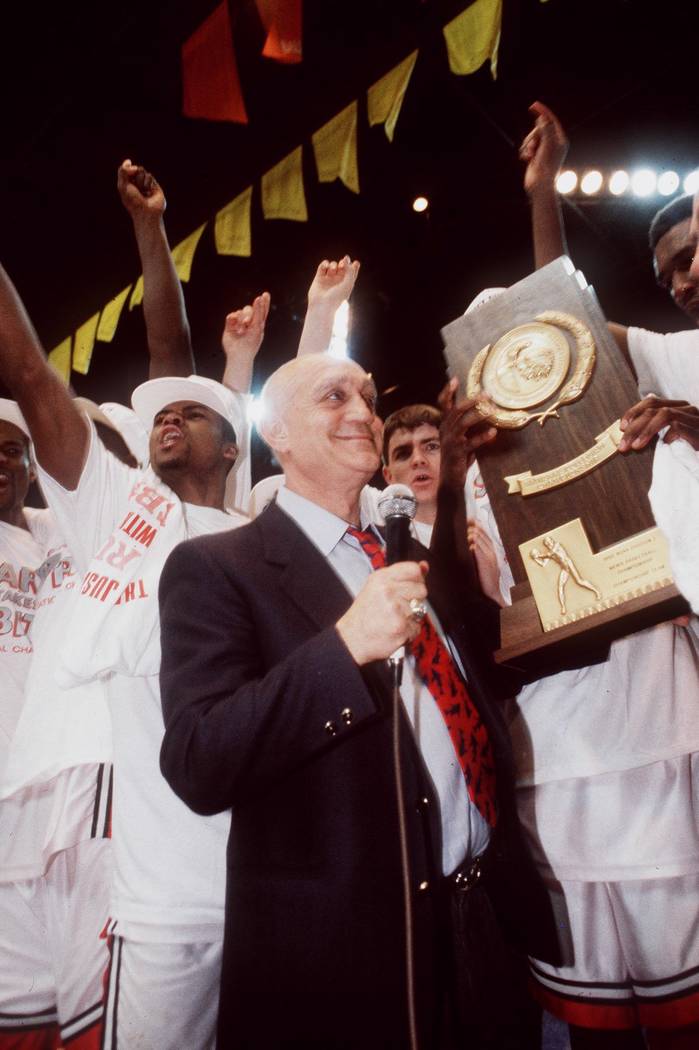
(282, 20)
(210, 83)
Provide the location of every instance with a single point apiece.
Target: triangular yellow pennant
(137, 293)
(385, 97)
(335, 147)
(109, 318)
(232, 226)
(283, 195)
(59, 358)
(84, 342)
(183, 253)
(473, 36)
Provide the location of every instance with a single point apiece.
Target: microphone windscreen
(397, 501)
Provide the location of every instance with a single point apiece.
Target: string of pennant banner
(472, 38)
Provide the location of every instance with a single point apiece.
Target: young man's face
(673, 258)
(15, 468)
(413, 459)
(186, 436)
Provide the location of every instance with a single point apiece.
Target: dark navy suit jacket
(267, 713)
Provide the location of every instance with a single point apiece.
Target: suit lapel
(312, 585)
(304, 573)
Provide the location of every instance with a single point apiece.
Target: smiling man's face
(327, 426)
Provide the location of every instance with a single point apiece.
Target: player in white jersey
(607, 756)
(57, 785)
(167, 902)
(121, 524)
(55, 791)
(158, 846)
(28, 1014)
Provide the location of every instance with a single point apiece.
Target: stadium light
(643, 182)
(566, 182)
(668, 183)
(619, 183)
(591, 182)
(691, 183)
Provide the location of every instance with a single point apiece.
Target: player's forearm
(449, 546)
(57, 428)
(237, 375)
(167, 327)
(548, 231)
(317, 329)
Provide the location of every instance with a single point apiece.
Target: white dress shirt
(465, 833)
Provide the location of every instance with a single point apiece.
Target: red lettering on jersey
(23, 622)
(149, 498)
(90, 578)
(27, 580)
(139, 529)
(116, 553)
(128, 594)
(145, 533)
(102, 587)
(7, 574)
(127, 521)
(121, 557)
(63, 569)
(162, 515)
(15, 623)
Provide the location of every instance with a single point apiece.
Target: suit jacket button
(331, 728)
(423, 886)
(346, 715)
(423, 804)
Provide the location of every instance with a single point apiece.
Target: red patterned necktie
(436, 669)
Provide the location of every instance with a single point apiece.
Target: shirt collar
(323, 528)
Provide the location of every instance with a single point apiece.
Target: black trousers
(486, 1002)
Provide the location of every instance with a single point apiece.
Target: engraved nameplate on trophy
(572, 511)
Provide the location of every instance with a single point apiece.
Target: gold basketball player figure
(557, 553)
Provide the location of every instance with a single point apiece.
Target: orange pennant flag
(210, 84)
(282, 20)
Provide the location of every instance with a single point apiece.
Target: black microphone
(397, 506)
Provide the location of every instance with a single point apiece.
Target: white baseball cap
(129, 426)
(151, 397)
(9, 411)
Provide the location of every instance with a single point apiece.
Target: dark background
(86, 84)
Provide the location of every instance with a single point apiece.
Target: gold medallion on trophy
(529, 365)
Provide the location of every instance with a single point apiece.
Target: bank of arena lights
(639, 183)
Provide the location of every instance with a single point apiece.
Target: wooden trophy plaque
(588, 561)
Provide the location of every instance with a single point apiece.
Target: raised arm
(167, 328)
(543, 152)
(59, 432)
(332, 284)
(463, 430)
(242, 337)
